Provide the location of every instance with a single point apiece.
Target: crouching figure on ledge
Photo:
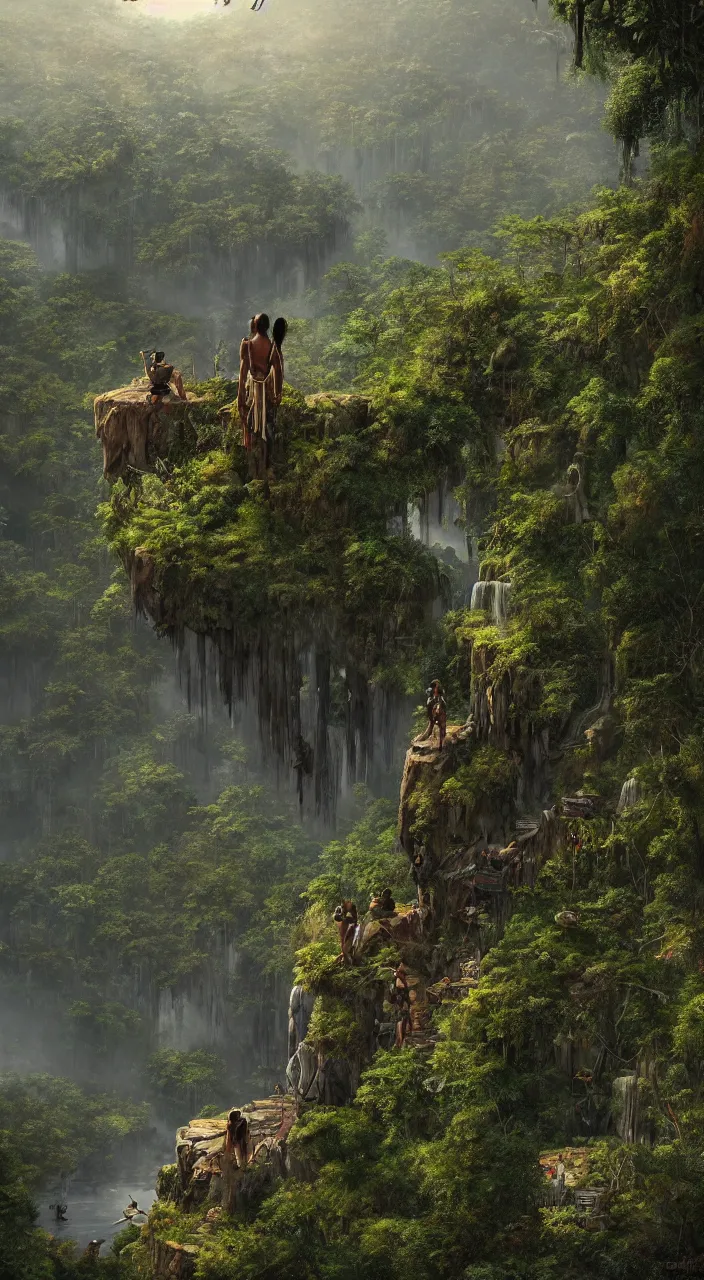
(436, 708)
(161, 376)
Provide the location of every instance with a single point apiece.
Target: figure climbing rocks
(401, 998)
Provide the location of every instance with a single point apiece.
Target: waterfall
(492, 598)
(631, 794)
(438, 520)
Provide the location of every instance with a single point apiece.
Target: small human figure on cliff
(436, 708)
(346, 918)
(237, 1138)
(401, 998)
(161, 375)
(575, 840)
(260, 385)
(382, 905)
(420, 868)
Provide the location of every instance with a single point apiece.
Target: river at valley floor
(93, 1210)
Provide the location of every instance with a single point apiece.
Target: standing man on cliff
(260, 387)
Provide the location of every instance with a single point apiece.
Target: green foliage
(24, 1248)
(656, 55)
(585, 336)
(186, 1079)
(168, 159)
(317, 963)
(487, 778)
(56, 1125)
(365, 862)
(168, 1181)
(333, 1030)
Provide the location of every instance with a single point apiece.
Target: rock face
(335, 415)
(269, 640)
(170, 1259)
(300, 1008)
(136, 434)
(314, 1077)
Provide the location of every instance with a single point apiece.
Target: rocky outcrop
(328, 414)
(171, 1260)
(137, 435)
(470, 857)
(145, 596)
(212, 1177)
(209, 1172)
(300, 1008)
(313, 1077)
(425, 759)
(316, 1076)
(268, 639)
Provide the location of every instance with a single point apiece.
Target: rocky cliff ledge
(137, 434)
(306, 584)
(213, 1176)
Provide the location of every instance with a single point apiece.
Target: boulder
(302, 1074)
(300, 1008)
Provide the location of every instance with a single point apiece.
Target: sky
(180, 9)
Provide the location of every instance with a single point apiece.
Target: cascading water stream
(632, 793)
(493, 598)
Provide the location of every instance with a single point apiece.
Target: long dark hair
(279, 332)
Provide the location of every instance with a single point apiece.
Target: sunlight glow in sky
(179, 9)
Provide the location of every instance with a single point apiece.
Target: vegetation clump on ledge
(301, 577)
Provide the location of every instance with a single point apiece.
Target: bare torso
(259, 355)
(260, 349)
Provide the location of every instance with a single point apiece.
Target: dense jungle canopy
(428, 193)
